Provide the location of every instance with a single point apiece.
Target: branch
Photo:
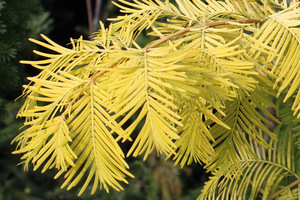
(92, 79)
(209, 24)
(164, 39)
(283, 189)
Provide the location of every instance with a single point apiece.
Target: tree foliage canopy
(201, 91)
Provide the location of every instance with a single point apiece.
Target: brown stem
(283, 189)
(96, 14)
(90, 80)
(93, 18)
(62, 116)
(93, 78)
(209, 24)
(89, 13)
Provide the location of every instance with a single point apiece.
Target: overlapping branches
(199, 92)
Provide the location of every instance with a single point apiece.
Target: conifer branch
(68, 116)
(162, 40)
(166, 38)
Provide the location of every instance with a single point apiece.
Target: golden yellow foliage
(199, 92)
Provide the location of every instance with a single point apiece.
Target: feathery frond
(233, 144)
(149, 93)
(281, 33)
(262, 173)
(200, 91)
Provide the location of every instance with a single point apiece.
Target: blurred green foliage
(18, 21)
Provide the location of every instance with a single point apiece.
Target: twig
(90, 80)
(93, 18)
(209, 24)
(89, 14)
(96, 14)
(283, 189)
(166, 38)
(93, 78)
